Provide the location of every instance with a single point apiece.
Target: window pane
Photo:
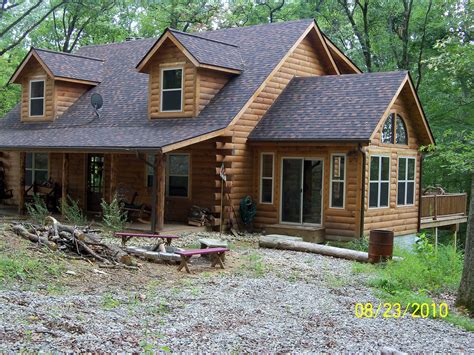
(178, 164)
(149, 180)
(41, 176)
(36, 107)
(172, 79)
(29, 160)
(374, 168)
(384, 194)
(338, 167)
(402, 168)
(28, 178)
(401, 136)
(41, 161)
(410, 193)
(267, 165)
(178, 186)
(150, 159)
(387, 130)
(266, 190)
(171, 100)
(373, 194)
(401, 193)
(411, 169)
(37, 89)
(337, 198)
(385, 168)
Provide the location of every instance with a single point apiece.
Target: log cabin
(325, 150)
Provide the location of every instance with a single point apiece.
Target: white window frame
(379, 180)
(37, 98)
(272, 178)
(168, 175)
(331, 180)
(406, 181)
(34, 169)
(162, 70)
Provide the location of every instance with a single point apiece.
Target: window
(394, 130)
(37, 98)
(178, 175)
(379, 188)
(36, 168)
(406, 181)
(338, 175)
(150, 159)
(266, 178)
(171, 90)
(401, 134)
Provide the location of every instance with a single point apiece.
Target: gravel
(270, 301)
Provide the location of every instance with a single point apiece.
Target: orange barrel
(380, 245)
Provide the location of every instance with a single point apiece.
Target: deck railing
(435, 206)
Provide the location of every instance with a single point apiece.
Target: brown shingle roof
(329, 108)
(209, 51)
(124, 119)
(72, 66)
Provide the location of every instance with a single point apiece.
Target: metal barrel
(380, 245)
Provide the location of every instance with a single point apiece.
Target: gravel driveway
(275, 301)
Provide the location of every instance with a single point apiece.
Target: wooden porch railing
(434, 206)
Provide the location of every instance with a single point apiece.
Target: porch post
(158, 194)
(113, 176)
(65, 182)
(21, 187)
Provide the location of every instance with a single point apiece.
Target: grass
(19, 266)
(423, 276)
(361, 244)
(255, 265)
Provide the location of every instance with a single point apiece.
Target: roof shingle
(329, 108)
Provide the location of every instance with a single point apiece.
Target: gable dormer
(52, 81)
(185, 72)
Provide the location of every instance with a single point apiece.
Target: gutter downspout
(422, 157)
(362, 198)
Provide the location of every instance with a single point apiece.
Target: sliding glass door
(301, 190)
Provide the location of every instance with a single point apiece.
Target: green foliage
(109, 302)
(360, 244)
(73, 214)
(113, 217)
(37, 210)
(255, 265)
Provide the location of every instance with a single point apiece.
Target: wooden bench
(218, 254)
(126, 236)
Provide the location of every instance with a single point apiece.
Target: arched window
(387, 130)
(401, 134)
(394, 130)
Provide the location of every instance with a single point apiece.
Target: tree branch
(19, 19)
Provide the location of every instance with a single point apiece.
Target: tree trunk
(466, 288)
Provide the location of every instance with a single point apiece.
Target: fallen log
(286, 244)
(23, 232)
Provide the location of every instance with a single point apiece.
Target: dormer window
(37, 98)
(172, 90)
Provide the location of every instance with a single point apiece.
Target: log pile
(71, 239)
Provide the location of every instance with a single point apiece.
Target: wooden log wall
(208, 84)
(11, 164)
(34, 70)
(400, 219)
(65, 94)
(337, 222)
(170, 56)
(304, 60)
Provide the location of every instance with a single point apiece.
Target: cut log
(22, 232)
(286, 244)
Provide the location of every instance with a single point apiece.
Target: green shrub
(37, 210)
(73, 214)
(113, 217)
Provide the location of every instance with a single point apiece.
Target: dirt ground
(264, 301)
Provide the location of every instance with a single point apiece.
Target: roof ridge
(258, 25)
(68, 54)
(119, 43)
(192, 34)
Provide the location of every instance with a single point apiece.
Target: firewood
(22, 232)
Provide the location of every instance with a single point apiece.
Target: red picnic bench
(126, 236)
(217, 253)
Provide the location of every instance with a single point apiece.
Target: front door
(301, 191)
(95, 181)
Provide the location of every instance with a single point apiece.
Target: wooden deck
(443, 210)
(312, 234)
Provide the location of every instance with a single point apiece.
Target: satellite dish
(96, 101)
